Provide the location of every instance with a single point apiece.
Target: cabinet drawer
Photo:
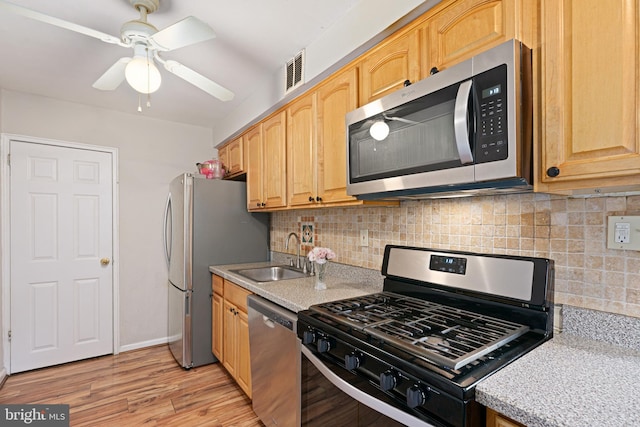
(236, 295)
(217, 284)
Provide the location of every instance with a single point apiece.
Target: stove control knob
(308, 337)
(416, 396)
(324, 345)
(352, 361)
(388, 380)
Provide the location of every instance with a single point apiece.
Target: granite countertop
(299, 294)
(571, 380)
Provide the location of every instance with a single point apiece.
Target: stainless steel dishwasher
(275, 362)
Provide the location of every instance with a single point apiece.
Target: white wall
(362, 23)
(151, 153)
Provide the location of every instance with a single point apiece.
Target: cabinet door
(334, 100)
(217, 327)
(235, 159)
(274, 161)
(243, 367)
(230, 343)
(254, 167)
(495, 419)
(223, 156)
(302, 158)
(385, 68)
(467, 28)
(590, 95)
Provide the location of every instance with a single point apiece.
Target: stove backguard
(514, 288)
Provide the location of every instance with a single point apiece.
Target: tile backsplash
(571, 231)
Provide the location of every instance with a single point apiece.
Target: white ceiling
(254, 40)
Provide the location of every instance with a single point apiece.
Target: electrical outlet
(623, 232)
(364, 237)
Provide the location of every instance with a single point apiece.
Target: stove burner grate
(448, 336)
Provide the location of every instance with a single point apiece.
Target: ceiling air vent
(295, 72)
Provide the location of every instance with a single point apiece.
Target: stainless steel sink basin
(271, 274)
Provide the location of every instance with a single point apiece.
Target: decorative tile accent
(306, 234)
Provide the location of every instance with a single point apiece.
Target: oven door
(332, 395)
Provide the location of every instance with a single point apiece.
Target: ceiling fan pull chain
(148, 100)
(139, 107)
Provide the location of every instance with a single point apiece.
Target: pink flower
(321, 255)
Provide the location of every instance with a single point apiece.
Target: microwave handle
(460, 124)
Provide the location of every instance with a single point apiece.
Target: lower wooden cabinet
(230, 329)
(496, 419)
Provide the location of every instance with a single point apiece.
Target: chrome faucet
(286, 247)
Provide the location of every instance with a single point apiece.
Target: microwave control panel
(491, 94)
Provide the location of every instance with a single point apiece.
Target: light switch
(623, 232)
(364, 237)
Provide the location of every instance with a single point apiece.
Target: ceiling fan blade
(32, 14)
(183, 33)
(198, 80)
(114, 76)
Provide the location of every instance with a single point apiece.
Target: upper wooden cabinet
(467, 27)
(232, 157)
(385, 68)
(254, 148)
(302, 156)
(316, 142)
(275, 165)
(266, 164)
(590, 96)
(334, 99)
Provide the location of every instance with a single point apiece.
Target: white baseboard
(143, 344)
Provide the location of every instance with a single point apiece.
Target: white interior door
(61, 247)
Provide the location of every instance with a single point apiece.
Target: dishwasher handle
(273, 313)
(270, 323)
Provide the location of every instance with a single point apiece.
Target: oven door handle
(362, 397)
(461, 124)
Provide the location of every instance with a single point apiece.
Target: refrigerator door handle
(166, 231)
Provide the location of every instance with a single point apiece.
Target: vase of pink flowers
(320, 256)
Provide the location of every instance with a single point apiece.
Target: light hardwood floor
(141, 387)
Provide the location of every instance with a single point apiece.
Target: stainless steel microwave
(466, 130)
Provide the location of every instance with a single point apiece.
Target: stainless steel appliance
(464, 130)
(414, 353)
(206, 223)
(275, 362)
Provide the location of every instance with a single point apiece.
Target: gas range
(444, 321)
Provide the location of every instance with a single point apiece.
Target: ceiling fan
(147, 42)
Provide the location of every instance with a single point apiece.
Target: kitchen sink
(271, 274)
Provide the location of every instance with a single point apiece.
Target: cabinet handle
(553, 171)
(257, 205)
(310, 198)
(407, 83)
(433, 70)
(318, 199)
(263, 204)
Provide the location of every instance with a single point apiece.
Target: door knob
(105, 261)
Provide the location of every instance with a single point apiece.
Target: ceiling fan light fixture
(143, 75)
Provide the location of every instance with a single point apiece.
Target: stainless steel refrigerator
(206, 223)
